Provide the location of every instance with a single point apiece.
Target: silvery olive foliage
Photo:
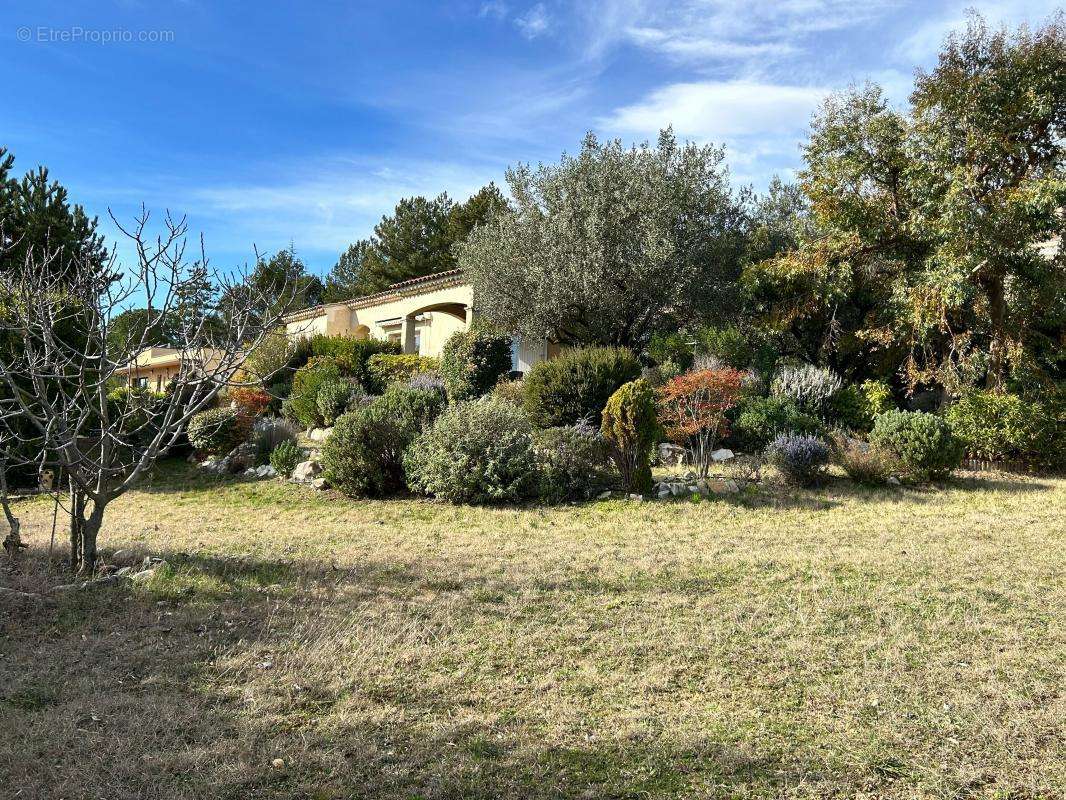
(611, 244)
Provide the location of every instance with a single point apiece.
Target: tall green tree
(417, 239)
(611, 245)
(931, 247)
(36, 216)
(281, 271)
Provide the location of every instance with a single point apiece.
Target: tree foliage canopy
(608, 245)
(931, 235)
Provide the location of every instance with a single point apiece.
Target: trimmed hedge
(577, 384)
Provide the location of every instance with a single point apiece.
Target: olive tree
(610, 245)
(60, 402)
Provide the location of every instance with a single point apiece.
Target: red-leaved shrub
(693, 406)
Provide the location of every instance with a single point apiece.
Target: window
(141, 383)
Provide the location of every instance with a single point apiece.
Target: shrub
(811, 388)
(385, 369)
(270, 361)
(137, 408)
(249, 400)
(218, 430)
(863, 462)
(513, 391)
(351, 354)
(997, 426)
(364, 456)
(572, 462)
(285, 457)
(924, 444)
(692, 409)
(429, 381)
(476, 452)
(741, 349)
(759, 420)
(302, 404)
(801, 459)
(577, 384)
(472, 362)
(267, 434)
(631, 429)
(335, 397)
(855, 407)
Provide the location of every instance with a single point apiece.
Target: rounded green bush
(577, 384)
(477, 452)
(759, 420)
(572, 462)
(472, 362)
(217, 431)
(302, 403)
(924, 444)
(364, 455)
(334, 397)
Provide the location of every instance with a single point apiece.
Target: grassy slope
(893, 643)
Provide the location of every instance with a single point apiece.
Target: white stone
(638, 497)
(319, 483)
(677, 489)
(604, 495)
(893, 481)
(722, 454)
(319, 434)
(306, 471)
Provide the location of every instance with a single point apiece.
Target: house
(419, 314)
(155, 367)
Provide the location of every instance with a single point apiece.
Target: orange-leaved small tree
(693, 406)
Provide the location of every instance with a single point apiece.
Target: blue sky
(271, 122)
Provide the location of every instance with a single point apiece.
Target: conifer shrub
(631, 428)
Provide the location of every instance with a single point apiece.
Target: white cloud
(493, 8)
(718, 110)
(699, 31)
(923, 44)
(534, 22)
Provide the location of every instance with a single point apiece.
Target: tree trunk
(90, 530)
(997, 308)
(77, 521)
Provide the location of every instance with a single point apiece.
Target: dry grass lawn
(836, 643)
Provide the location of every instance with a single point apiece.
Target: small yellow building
(419, 314)
(155, 367)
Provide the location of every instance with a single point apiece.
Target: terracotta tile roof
(403, 287)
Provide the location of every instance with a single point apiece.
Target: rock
(671, 455)
(893, 481)
(143, 576)
(122, 572)
(306, 471)
(604, 495)
(690, 476)
(319, 434)
(722, 454)
(124, 558)
(637, 497)
(677, 489)
(664, 491)
(727, 486)
(703, 486)
(319, 483)
(693, 488)
(266, 471)
(250, 472)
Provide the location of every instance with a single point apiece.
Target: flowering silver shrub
(811, 388)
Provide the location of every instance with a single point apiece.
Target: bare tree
(59, 377)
